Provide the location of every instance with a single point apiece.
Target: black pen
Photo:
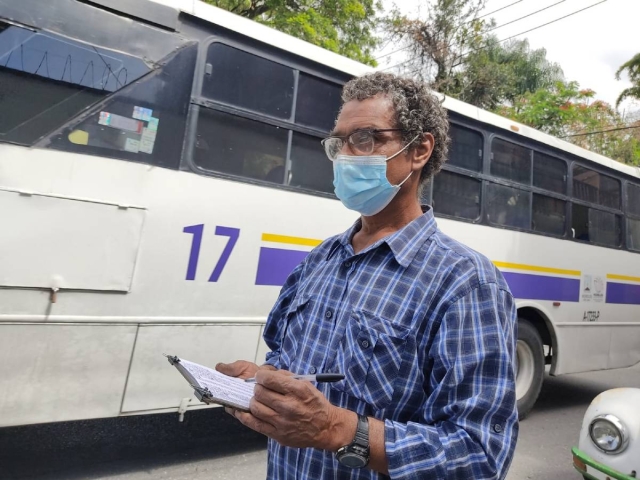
(320, 377)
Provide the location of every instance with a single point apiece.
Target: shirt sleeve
(275, 325)
(469, 422)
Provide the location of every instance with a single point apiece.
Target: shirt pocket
(292, 332)
(371, 353)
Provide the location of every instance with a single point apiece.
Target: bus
(161, 174)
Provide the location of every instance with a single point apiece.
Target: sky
(589, 46)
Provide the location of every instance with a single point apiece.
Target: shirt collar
(404, 244)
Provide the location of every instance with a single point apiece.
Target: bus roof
(333, 60)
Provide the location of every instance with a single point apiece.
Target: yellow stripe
(272, 237)
(611, 276)
(534, 268)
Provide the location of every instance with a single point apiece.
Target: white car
(609, 445)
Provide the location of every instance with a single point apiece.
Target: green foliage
(498, 74)
(346, 27)
(453, 50)
(437, 44)
(566, 111)
(632, 68)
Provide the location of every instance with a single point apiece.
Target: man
(422, 327)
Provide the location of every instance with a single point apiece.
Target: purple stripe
(623, 293)
(275, 265)
(543, 287)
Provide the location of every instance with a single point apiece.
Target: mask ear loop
(398, 153)
(404, 148)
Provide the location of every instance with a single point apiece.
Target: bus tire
(529, 367)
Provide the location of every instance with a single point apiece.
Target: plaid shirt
(424, 329)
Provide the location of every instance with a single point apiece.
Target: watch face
(352, 460)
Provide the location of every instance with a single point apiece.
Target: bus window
(596, 226)
(247, 81)
(594, 187)
(511, 161)
(633, 199)
(465, 149)
(456, 195)
(633, 229)
(317, 103)
(548, 215)
(144, 123)
(310, 167)
(230, 144)
(508, 206)
(549, 173)
(47, 79)
(633, 210)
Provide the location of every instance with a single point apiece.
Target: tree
(436, 45)
(346, 27)
(498, 73)
(633, 70)
(568, 112)
(453, 50)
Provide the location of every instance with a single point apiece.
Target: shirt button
(364, 343)
(497, 428)
(312, 370)
(328, 314)
(347, 264)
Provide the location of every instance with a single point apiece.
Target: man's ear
(422, 151)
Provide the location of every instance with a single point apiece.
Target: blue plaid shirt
(424, 329)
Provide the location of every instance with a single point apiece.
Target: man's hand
(295, 413)
(241, 369)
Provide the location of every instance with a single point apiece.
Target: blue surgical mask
(360, 182)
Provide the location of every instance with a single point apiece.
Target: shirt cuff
(273, 359)
(413, 450)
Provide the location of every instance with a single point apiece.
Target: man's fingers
(279, 381)
(260, 426)
(239, 368)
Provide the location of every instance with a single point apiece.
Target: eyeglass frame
(347, 138)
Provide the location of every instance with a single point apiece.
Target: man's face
(375, 113)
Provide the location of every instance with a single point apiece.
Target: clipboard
(212, 387)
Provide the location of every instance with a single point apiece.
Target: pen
(320, 377)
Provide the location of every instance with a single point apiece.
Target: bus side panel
(154, 384)
(64, 372)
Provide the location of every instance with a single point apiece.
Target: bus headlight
(608, 433)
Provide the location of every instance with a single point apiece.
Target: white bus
(161, 173)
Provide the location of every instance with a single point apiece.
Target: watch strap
(362, 432)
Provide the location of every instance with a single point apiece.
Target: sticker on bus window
(153, 123)
(141, 113)
(147, 140)
(132, 145)
(120, 122)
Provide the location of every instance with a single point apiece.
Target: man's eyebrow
(337, 133)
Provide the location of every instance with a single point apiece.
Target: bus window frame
(199, 101)
(462, 122)
(616, 211)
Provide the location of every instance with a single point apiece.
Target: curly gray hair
(417, 111)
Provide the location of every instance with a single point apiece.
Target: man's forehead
(374, 112)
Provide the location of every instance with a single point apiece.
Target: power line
(526, 16)
(467, 23)
(496, 11)
(601, 131)
(512, 36)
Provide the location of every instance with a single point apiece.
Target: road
(210, 445)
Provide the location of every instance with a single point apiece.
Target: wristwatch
(356, 454)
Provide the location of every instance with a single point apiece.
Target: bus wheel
(529, 366)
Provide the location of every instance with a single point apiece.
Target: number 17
(196, 242)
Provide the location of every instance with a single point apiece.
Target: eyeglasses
(361, 141)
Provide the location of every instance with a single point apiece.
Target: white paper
(224, 389)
